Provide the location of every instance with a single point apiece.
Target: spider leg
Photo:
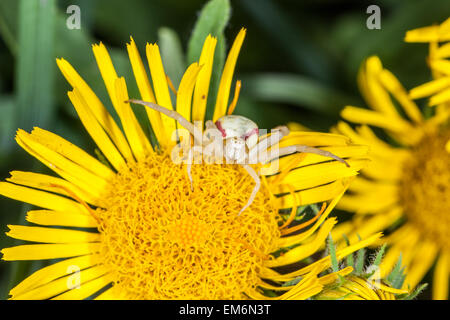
(189, 167)
(172, 114)
(185, 123)
(308, 149)
(210, 125)
(212, 135)
(284, 131)
(255, 177)
(266, 143)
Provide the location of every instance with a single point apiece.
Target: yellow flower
(359, 288)
(439, 87)
(406, 187)
(135, 230)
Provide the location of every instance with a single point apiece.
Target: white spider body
(238, 128)
(240, 137)
(235, 149)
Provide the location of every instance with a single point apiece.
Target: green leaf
(35, 63)
(212, 20)
(379, 255)
(35, 70)
(296, 90)
(360, 259)
(8, 24)
(172, 54)
(291, 38)
(415, 293)
(396, 276)
(7, 126)
(349, 258)
(332, 252)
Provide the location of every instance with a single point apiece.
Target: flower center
(425, 188)
(163, 241)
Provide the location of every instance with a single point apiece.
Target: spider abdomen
(234, 126)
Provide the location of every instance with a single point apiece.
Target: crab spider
(239, 134)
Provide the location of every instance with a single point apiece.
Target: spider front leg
(308, 149)
(172, 114)
(184, 122)
(257, 180)
(266, 143)
(284, 131)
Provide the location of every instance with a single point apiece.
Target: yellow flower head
(134, 228)
(439, 88)
(355, 281)
(358, 288)
(407, 185)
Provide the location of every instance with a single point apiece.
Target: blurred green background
(298, 63)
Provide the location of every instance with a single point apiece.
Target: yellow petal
(314, 139)
(392, 84)
(146, 92)
(295, 126)
(86, 289)
(41, 199)
(301, 252)
(136, 137)
(95, 130)
(439, 98)
(441, 65)
(322, 173)
(322, 264)
(442, 51)
(313, 195)
(374, 93)
(430, 34)
(49, 183)
(305, 289)
(365, 136)
(429, 88)
(52, 272)
(440, 277)
(363, 116)
(332, 277)
(66, 219)
(203, 79)
(73, 172)
(160, 85)
(383, 287)
(72, 152)
(185, 91)
(94, 105)
(227, 77)
(51, 235)
(374, 201)
(60, 285)
(362, 185)
(48, 251)
(422, 261)
(376, 223)
(118, 94)
(291, 240)
(343, 152)
(111, 294)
